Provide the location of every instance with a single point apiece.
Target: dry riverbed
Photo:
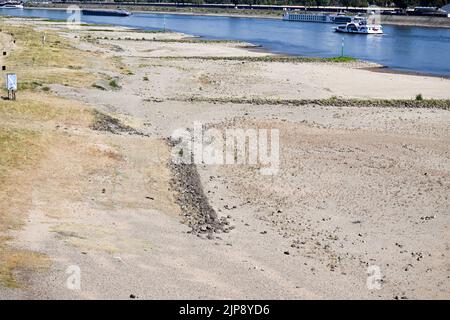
(87, 181)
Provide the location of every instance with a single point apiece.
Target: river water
(416, 49)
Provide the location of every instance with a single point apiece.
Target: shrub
(113, 84)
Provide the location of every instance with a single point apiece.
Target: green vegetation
(340, 59)
(113, 84)
(186, 40)
(419, 97)
(268, 58)
(28, 85)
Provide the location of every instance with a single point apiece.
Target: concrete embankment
(440, 22)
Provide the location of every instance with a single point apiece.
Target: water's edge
(377, 66)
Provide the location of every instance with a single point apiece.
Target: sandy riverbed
(358, 187)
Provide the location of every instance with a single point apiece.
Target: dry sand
(357, 187)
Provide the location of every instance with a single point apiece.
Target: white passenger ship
(320, 17)
(361, 28)
(11, 5)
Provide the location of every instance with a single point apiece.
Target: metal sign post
(11, 85)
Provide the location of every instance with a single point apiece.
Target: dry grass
(24, 141)
(38, 64)
(13, 261)
(120, 66)
(27, 131)
(42, 107)
(18, 149)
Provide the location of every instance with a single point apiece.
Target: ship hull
(363, 30)
(110, 13)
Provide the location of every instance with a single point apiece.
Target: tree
(405, 3)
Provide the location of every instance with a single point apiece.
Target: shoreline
(376, 67)
(389, 70)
